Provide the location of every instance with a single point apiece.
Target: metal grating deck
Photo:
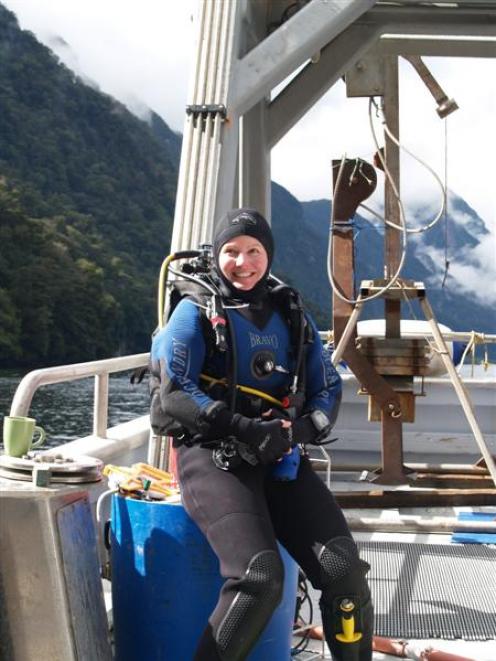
(432, 590)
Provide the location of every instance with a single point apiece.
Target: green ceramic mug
(18, 435)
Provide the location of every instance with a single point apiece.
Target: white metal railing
(99, 369)
(449, 336)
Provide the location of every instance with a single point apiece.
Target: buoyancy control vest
(196, 280)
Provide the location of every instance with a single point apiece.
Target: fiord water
(65, 410)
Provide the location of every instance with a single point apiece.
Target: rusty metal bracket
(345, 317)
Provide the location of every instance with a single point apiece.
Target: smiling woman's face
(243, 261)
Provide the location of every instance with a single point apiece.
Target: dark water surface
(65, 410)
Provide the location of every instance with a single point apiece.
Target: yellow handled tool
(348, 634)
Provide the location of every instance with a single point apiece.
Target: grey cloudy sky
(141, 52)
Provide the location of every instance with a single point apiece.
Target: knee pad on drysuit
(346, 604)
(258, 593)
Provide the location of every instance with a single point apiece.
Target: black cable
(299, 620)
(232, 371)
(300, 365)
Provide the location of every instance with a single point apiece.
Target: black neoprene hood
(241, 222)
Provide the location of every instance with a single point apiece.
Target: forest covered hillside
(86, 204)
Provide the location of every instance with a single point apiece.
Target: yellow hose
(161, 288)
(247, 390)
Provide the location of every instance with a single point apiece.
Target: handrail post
(100, 369)
(100, 405)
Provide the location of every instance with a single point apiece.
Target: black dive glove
(268, 440)
(309, 428)
(313, 428)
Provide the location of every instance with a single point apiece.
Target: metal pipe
(294, 42)
(459, 387)
(154, 447)
(347, 333)
(455, 469)
(203, 72)
(211, 184)
(448, 335)
(314, 80)
(31, 382)
(165, 454)
(445, 106)
(213, 55)
(198, 50)
(203, 151)
(100, 405)
(224, 167)
(177, 240)
(188, 240)
(405, 524)
(224, 52)
(222, 73)
(200, 188)
(392, 209)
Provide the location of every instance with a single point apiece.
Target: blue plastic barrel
(165, 583)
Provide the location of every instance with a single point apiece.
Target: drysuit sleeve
(323, 383)
(177, 356)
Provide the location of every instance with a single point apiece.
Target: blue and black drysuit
(244, 511)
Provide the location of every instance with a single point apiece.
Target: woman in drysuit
(234, 450)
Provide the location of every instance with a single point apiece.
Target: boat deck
(401, 514)
(472, 576)
(475, 650)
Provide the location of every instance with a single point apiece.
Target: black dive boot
(346, 605)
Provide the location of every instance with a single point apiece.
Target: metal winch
(44, 468)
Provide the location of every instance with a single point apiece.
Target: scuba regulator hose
(248, 391)
(162, 279)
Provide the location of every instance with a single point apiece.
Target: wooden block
(407, 404)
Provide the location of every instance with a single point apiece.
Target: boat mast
(231, 123)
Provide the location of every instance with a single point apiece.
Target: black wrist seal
(215, 421)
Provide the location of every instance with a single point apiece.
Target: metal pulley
(44, 468)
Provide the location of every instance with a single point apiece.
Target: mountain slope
(83, 173)
(304, 260)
